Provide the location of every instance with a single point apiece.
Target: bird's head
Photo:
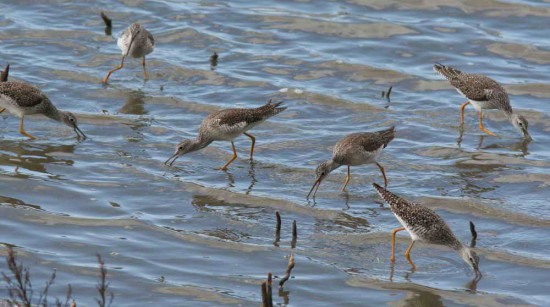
(183, 147)
(470, 257)
(323, 169)
(522, 125)
(70, 120)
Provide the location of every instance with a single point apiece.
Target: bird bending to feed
(22, 99)
(354, 149)
(483, 93)
(424, 225)
(225, 125)
(136, 42)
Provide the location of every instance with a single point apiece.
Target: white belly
(479, 105)
(413, 236)
(9, 104)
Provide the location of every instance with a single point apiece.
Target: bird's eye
(72, 120)
(180, 148)
(521, 124)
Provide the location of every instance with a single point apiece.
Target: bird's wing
(372, 141)
(25, 95)
(472, 86)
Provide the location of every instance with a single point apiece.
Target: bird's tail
(273, 108)
(388, 135)
(386, 195)
(447, 71)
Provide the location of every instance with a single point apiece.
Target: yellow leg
(347, 180)
(22, 129)
(144, 70)
(408, 255)
(223, 168)
(2, 110)
(113, 70)
(393, 233)
(481, 125)
(383, 174)
(462, 106)
(253, 142)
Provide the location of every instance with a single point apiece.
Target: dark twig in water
(5, 73)
(388, 93)
(294, 234)
(288, 270)
(474, 234)
(103, 285)
(214, 59)
(108, 24)
(43, 299)
(269, 290)
(277, 228)
(19, 285)
(383, 94)
(264, 294)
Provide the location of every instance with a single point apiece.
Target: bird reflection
(252, 174)
(134, 103)
(346, 200)
(521, 146)
(284, 295)
(34, 157)
(472, 285)
(230, 179)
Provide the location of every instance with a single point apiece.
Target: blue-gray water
(194, 236)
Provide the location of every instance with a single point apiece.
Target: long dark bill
(79, 132)
(174, 156)
(316, 183)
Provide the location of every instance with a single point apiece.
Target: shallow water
(192, 236)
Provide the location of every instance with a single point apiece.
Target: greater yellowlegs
(424, 225)
(22, 99)
(354, 149)
(136, 42)
(225, 125)
(483, 93)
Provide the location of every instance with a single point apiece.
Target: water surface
(192, 236)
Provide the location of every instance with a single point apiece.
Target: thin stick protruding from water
(294, 234)
(288, 270)
(277, 228)
(214, 59)
(474, 234)
(108, 23)
(270, 289)
(388, 93)
(265, 302)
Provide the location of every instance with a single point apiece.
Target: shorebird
(483, 93)
(225, 125)
(424, 225)
(352, 150)
(22, 99)
(136, 42)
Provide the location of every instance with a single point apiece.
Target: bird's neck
(458, 246)
(200, 142)
(333, 165)
(53, 113)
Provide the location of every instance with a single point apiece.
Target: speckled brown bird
(483, 93)
(22, 99)
(354, 149)
(424, 225)
(226, 125)
(136, 42)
